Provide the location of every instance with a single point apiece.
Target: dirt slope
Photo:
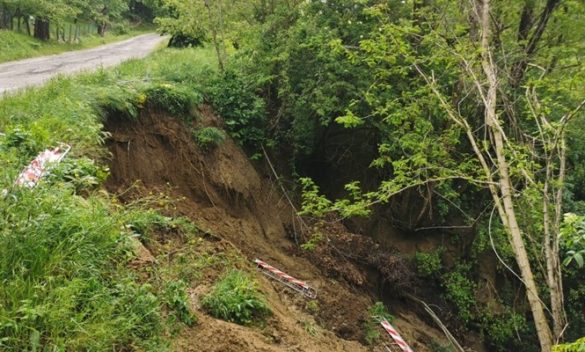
(225, 195)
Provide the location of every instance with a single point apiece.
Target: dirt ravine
(16, 75)
(232, 199)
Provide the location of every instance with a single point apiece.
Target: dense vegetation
(65, 245)
(471, 108)
(67, 20)
(467, 114)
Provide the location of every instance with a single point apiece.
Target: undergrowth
(236, 298)
(376, 313)
(208, 137)
(65, 246)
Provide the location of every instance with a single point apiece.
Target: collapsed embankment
(224, 194)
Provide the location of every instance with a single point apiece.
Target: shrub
(459, 291)
(428, 264)
(176, 298)
(82, 173)
(243, 111)
(501, 329)
(208, 137)
(236, 298)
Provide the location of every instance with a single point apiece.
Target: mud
(223, 193)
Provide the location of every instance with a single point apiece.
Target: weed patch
(375, 314)
(236, 298)
(208, 137)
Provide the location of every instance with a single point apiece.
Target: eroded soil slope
(223, 193)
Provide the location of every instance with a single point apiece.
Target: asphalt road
(32, 72)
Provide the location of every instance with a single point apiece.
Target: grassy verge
(65, 283)
(16, 46)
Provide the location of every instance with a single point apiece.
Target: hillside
(407, 165)
(155, 166)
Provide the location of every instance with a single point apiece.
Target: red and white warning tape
(32, 174)
(395, 336)
(284, 278)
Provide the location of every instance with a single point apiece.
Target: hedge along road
(33, 72)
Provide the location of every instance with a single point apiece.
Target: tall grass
(64, 282)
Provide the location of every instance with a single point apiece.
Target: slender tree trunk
(214, 37)
(27, 25)
(505, 185)
(42, 28)
(101, 29)
(554, 276)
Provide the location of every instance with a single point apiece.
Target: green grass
(64, 279)
(236, 298)
(208, 137)
(17, 46)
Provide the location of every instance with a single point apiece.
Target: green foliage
(83, 174)
(208, 137)
(317, 205)
(243, 111)
(501, 330)
(459, 290)
(64, 258)
(313, 242)
(177, 100)
(176, 298)
(22, 141)
(312, 306)
(429, 264)
(577, 346)
(64, 281)
(573, 239)
(310, 327)
(236, 298)
(375, 314)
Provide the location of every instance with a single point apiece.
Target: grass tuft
(236, 298)
(208, 137)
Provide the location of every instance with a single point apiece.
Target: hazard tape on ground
(297, 285)
(395, 336)
(33, 173)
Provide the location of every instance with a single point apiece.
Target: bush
(236, 298)
(428, 264)
(460, 291)
(208, 137)
(176, 299)
(243, 111)
(82, 173)
(501, 329)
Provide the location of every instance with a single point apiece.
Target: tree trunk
(42, 29)
(27, 25)
(509, 217)
(101, 29)
(214, 37)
